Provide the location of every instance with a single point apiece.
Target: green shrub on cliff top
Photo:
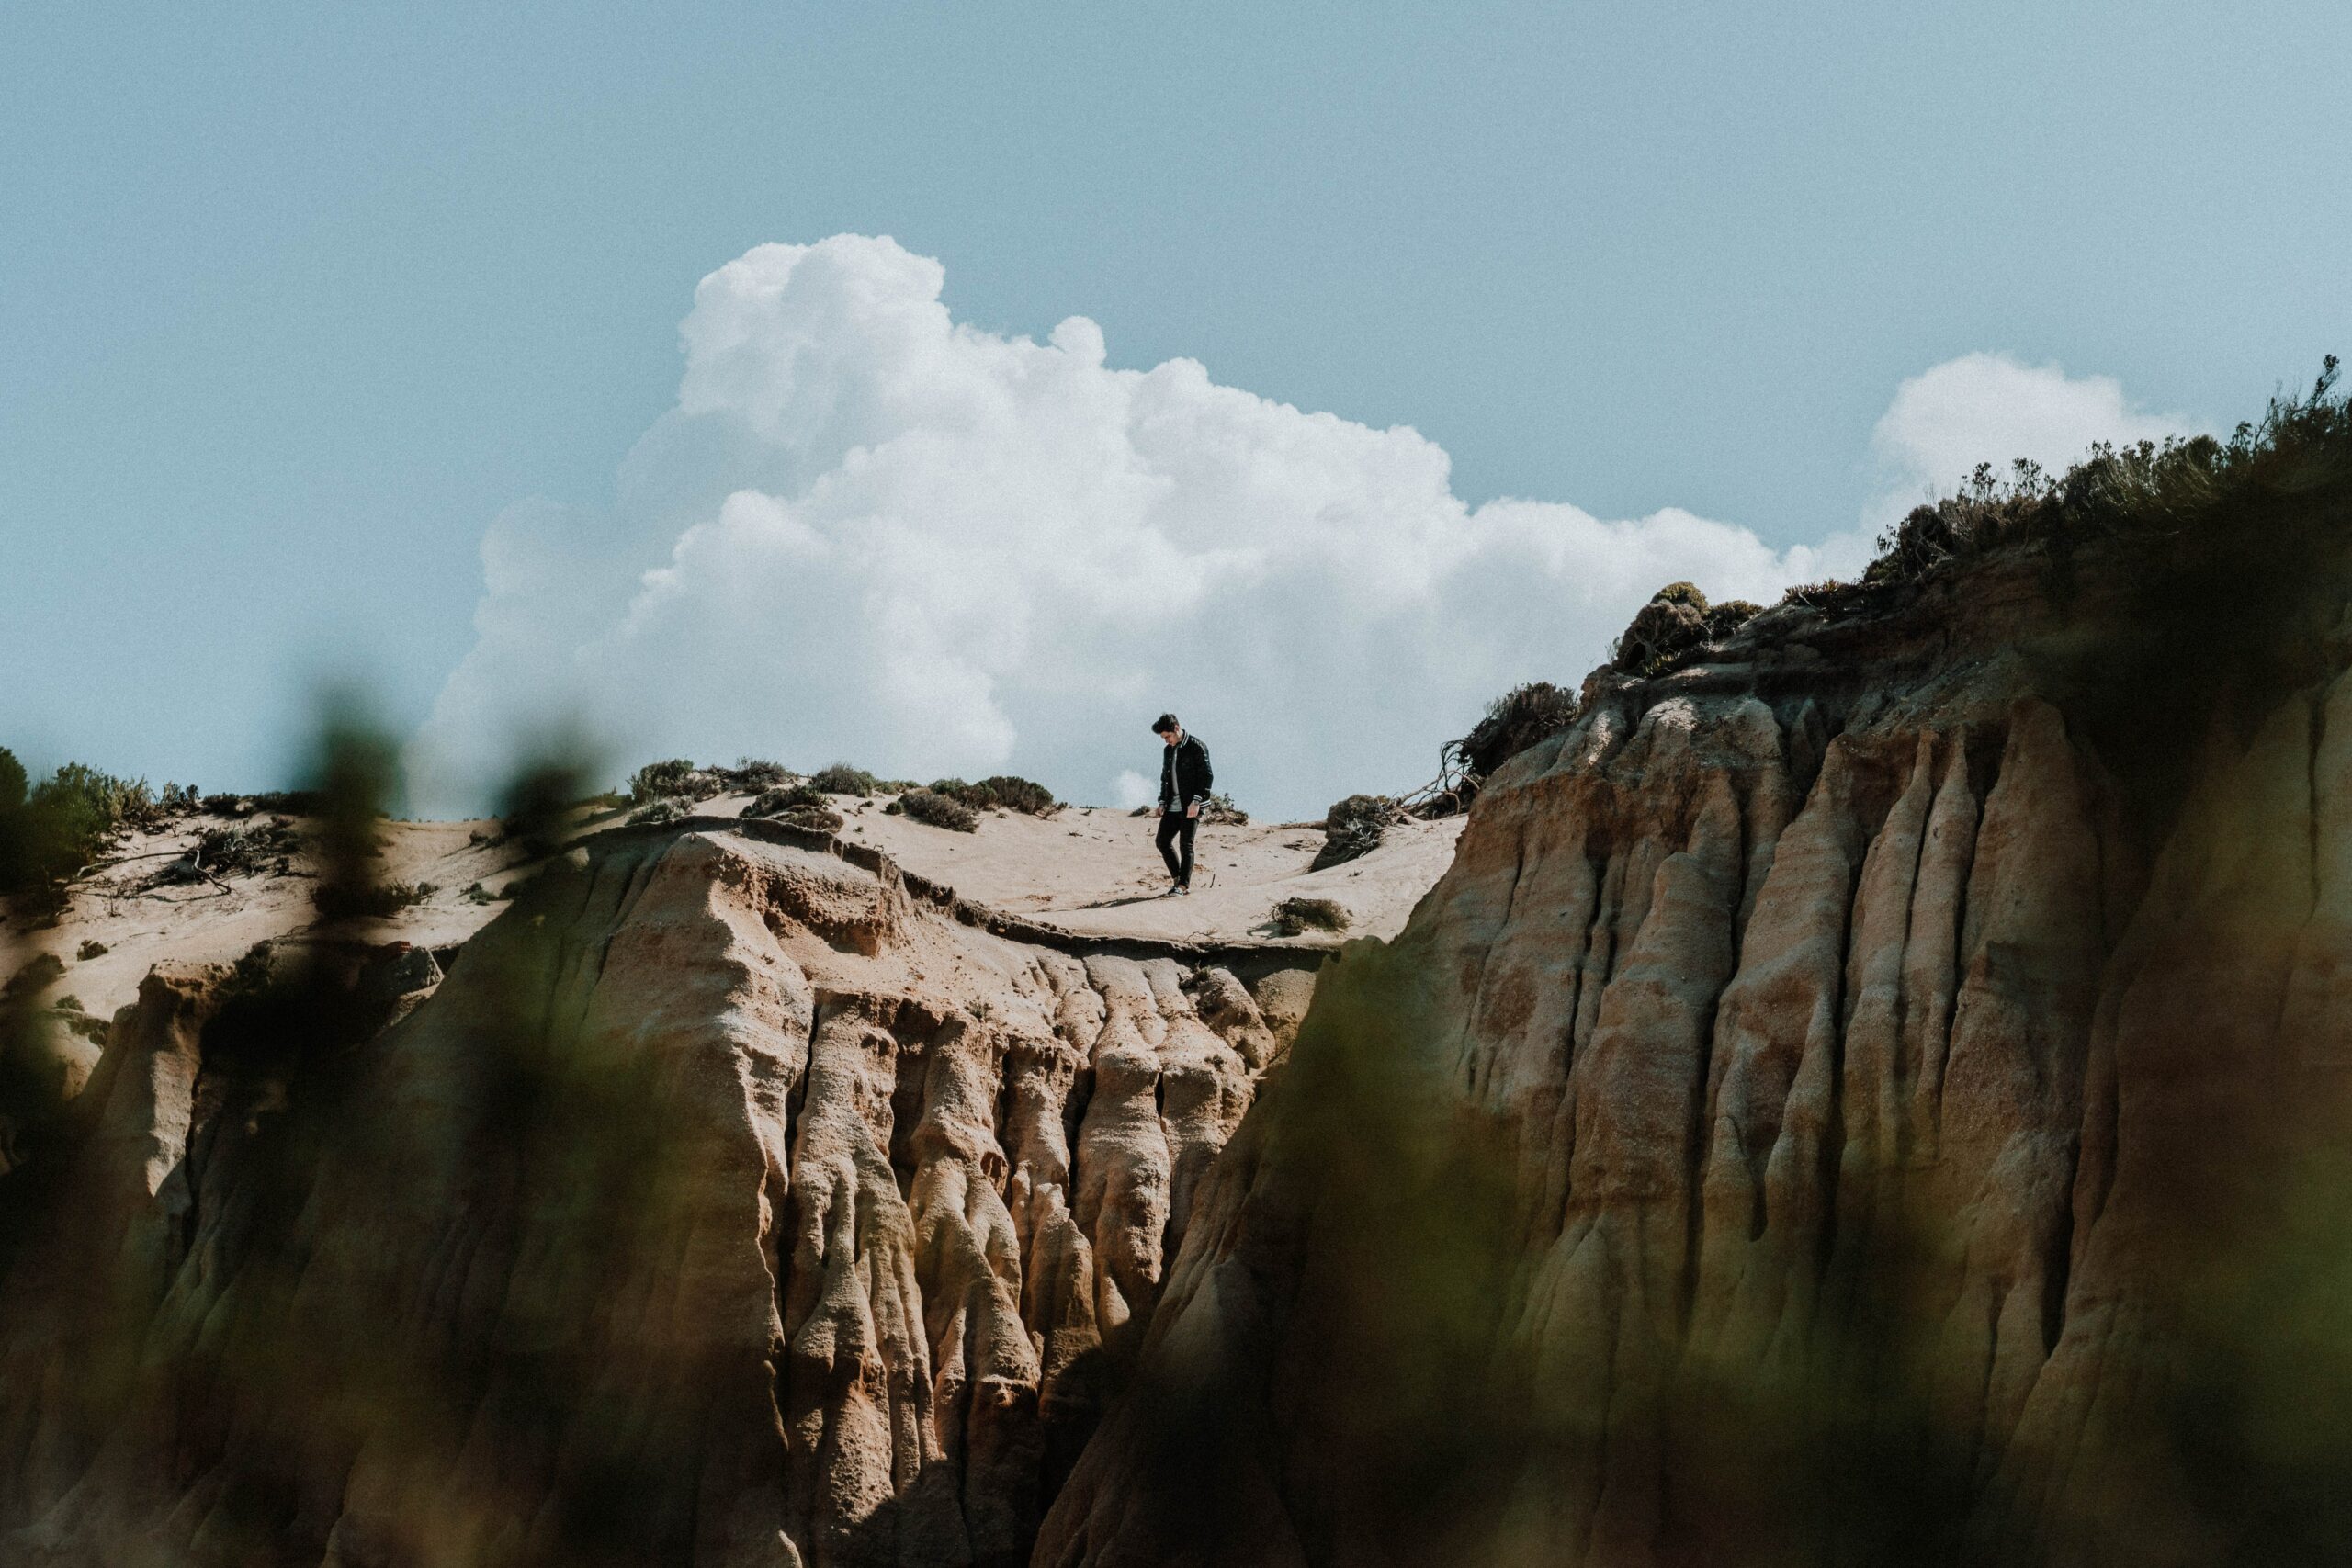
(2274, 476)
(841, 778)
(939, 810)
(1514, 721)
(672, 780)
(1000, 791)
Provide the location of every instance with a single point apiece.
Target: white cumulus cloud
(1992, 408)
(869, 532)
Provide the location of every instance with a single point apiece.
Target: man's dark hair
(1164, 723)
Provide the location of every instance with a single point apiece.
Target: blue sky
(295, 300)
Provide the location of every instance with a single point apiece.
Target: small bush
(156, 814)
(1025, 796)
(1220, 808)
(230, 851)
(1514, 721)
(1730, 615)
(841, 778)
(290, 802)
(1668, 624)
(1006, 792)
(368, 901)
(676, 779)
(85, 806)
(1354, 826)
(91, 948)
(39, 972)
(775, 802)
(60, 826)
(753, 774)
(812, 818)
(665, 809)
(1294, 916)
(240, 850)
(940, 811)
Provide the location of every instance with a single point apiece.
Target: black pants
(1176, 828)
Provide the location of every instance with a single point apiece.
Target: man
(1184, 780)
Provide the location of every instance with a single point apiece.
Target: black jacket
(1184, 776)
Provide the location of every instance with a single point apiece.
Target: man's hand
(1194, 809)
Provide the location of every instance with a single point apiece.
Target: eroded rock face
(1832, 1082)
(725, 1204)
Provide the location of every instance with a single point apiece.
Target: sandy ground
(1094, 869)
(204, 923)
(1090, 870)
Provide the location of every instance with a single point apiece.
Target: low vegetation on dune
(798, 805)
(842, 778)
(241, 849)
(1005, 792)
(676, 779)
(757, 773)
(680, 778)
(781, 794)
(937, 810)
(1219, 807)
(374, 900)
(1354, 826)
(53, 830)
(784, 798)
(1295, 917)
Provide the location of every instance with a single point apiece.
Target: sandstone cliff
(1870, 1091)
(1848, 1101)
(734, 1200)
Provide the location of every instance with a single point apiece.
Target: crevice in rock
(1694, 1166)
(2314, 788)
(2058, 1258)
